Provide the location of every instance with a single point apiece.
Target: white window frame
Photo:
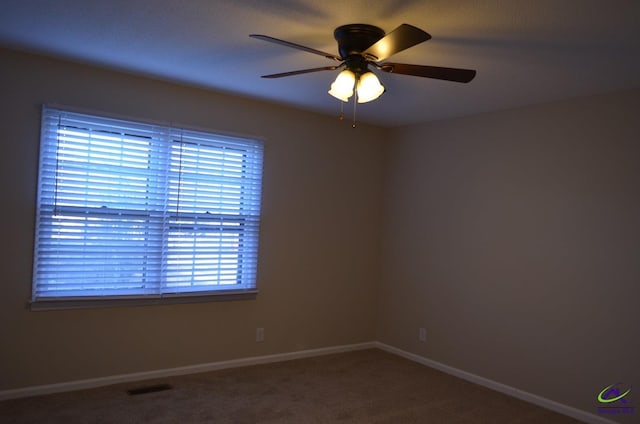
(187, 207)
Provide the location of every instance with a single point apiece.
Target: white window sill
(112, 302)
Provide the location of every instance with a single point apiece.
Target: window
(135, 210)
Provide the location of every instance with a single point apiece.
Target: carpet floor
(367, 386)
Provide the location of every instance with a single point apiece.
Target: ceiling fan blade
(437, 72)
(303, 71)
(295, 46)
(399, 39)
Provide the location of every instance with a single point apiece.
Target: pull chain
(355, 100)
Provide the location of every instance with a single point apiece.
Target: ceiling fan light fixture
(342, 87)
(369, 87)
(361, 46)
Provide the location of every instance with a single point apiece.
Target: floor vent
(149, 389)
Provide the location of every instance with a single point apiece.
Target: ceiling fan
(361, 46)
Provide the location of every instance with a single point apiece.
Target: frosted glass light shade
(369, 87)
(342, 87)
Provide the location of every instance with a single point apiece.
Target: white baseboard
(578, 414)
(192, 369)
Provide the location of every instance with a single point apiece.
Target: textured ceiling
(525, 51)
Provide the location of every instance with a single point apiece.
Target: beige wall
(318, 245)
(514, 239)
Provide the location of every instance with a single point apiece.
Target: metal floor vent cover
(149, 389)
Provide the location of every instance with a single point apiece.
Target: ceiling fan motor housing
(353, 39)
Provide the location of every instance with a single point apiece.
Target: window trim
(162, 298)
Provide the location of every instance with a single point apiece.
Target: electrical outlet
(259, 334)
(422, 334)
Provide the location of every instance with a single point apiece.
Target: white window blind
(134, 209)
